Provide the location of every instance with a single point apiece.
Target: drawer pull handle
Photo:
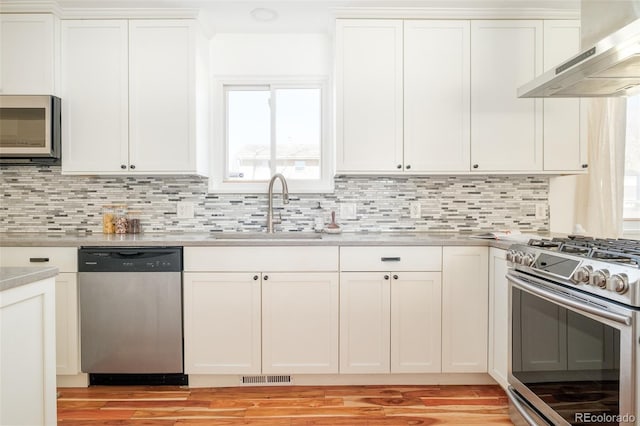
(38, 259)
(390, 259)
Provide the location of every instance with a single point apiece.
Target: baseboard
(72, 381)
(205, 380)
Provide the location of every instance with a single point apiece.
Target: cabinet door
(222, 323)
(506, 132)
(369, 95)
(565, 147)
(436, 96)
(27, 357)
(464, 309)
(365, 322)
(95, 121)
(415, 322)
(28, 44)
(498, 316)
(161, 95)
(300, 323)
(67, 345)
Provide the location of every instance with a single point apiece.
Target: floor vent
(266, 380)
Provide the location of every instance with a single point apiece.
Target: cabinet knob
(584, 166)
(132, 167)
(399, 166)
(408, 166)
(386, 277)
(255, 277)
(395, 277)
(266, 277)
(123, 166)
(475, 166)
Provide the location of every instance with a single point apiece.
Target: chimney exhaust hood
(607, 68)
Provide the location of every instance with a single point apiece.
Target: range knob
(582, 275)
(528, 259)
(599, 278)
(517, 258)
(619, 283)
(510, 255)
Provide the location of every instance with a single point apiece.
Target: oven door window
(569, 361)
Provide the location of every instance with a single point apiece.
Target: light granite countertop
(252, 239)
(11, 277)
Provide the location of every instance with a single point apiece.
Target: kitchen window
(270, 127)
(631, 211)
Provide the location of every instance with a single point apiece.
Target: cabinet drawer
(63, 258)
(261, 259)
(390, 258)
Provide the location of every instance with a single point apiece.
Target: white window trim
(217, 184)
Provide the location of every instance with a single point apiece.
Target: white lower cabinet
(365, 322)
(390, 322)
(67, 326)
(390, 319)
(66, 297)
(465, 304)
(300, 323)
(498, 316)
(27, 364)
(415, 322)
(239, 321)
(222, 314)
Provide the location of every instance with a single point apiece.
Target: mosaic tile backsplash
(41, 199)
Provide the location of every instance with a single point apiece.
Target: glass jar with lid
(108, 219)
(121, 221)
(134, 222)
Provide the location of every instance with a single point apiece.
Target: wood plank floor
(284, 406)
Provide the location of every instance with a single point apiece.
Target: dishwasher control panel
(130, 259)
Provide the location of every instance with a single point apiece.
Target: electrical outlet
(184, 210)
(541, 211)
(347, 211)
(415, 210)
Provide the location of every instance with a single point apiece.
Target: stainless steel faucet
(285, 200)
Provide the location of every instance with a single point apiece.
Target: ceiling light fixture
(262, 14)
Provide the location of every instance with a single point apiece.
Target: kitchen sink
(267, 236)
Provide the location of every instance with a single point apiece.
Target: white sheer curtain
(600, 194)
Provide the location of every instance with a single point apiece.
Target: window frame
(219, 158)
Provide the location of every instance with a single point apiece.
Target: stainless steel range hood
(606, 68)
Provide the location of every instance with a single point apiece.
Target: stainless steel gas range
(574, 331)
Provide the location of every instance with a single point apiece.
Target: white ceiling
(302, 16)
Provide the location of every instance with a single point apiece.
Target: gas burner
(542, 243)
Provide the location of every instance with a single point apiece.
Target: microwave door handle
(553, 297)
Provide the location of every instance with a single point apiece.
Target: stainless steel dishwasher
(131, 315)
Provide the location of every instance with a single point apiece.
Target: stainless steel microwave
(30, 129)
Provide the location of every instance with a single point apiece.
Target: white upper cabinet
(162, 95)
(565, 144)
(95, 122)
(130, 91)
(436, 96)
(369, 95)
(506, 132)
(29, 44)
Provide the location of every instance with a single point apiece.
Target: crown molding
(129, 13)
(452, 13)
(52, 6)
(33, 6)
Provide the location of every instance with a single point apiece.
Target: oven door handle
(553, 297)
(518, 404)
